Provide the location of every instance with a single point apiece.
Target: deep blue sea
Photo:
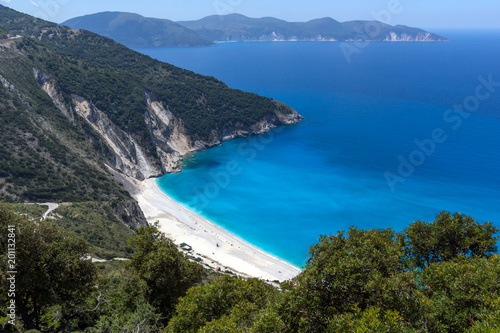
(400, 132)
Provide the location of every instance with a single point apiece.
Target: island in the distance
(134, 30)
(236, 27)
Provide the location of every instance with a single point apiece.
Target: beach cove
(362, 119)
(215, 247)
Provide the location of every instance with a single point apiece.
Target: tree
(168, 274)
(358, 269)
(460, 293)
(119, 303)
(228, 304)
(447, 237)
(52, 269)
(369, 320)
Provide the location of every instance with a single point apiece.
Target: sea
(393, 132)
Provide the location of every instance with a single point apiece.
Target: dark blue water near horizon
(386, 138)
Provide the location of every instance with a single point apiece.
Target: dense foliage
(354, 281)
(166, 273)
(51, 272)
(59, 289)
(226, 305)
(369, 280)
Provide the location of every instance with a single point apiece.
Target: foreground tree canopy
(58, 288)
(442, 276)
(51, 267)
(432, 277)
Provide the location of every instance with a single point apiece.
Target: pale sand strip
(184, 226)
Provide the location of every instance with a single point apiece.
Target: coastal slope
(147, 114)
(81, 112)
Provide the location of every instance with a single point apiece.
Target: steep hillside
(46, 156)
(134, 30)
(79, 110)
(148, 114)
(236, 27)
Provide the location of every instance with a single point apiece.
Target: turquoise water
(380, 145)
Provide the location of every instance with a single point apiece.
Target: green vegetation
(134, 30)
(43, 156)
(57, 289)
(354, 281)
(3, 33)
(51, 279)
(364, 281)
(116, 79)
(228, 304)
(32, 212)
(166, 273)
(100, 224)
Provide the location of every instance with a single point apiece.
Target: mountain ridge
(237, 27)
(134, 30)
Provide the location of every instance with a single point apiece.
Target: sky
(442, 14)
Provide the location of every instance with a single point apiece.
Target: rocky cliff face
(130, 213)
(420, 37)
(47, 83)
(170, 138)
(129, 157)
(168, 134)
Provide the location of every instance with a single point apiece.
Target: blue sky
(418, 13)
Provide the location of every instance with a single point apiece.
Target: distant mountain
(236, 27)
(134, 30)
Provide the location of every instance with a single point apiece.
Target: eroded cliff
(170, 138)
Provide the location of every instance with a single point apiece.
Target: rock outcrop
(168, 134)
(129, 157)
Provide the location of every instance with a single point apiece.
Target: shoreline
(212, 245)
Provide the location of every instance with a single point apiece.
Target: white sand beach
(216, 247)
